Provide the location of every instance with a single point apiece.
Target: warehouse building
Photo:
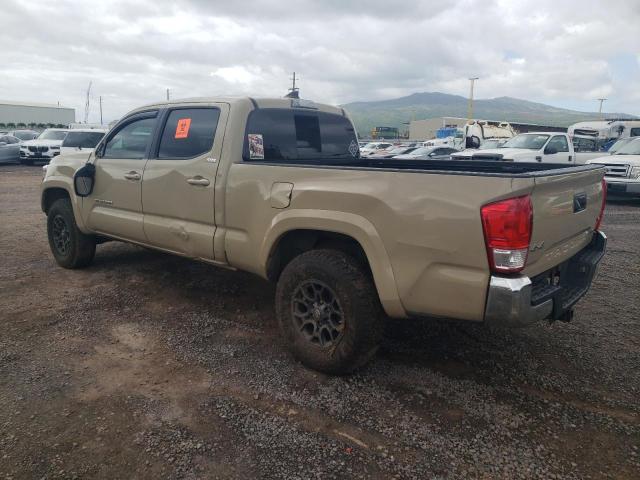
(426, 129)
(35, 113)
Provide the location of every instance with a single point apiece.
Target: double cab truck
(541, 147)
(277, 187)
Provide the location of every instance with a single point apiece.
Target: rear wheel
(328, 311)
(70, 247)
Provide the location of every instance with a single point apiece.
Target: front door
(179, 180)
(114, 208)
(562, 155)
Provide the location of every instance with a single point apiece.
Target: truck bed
(450, 167)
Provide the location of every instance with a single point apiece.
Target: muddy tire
(70, 247)
(328, 310)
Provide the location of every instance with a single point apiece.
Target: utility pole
(294, 92)
(100, 109)
(86, 105)
(167, 94)
(470, 110)
(601, 100)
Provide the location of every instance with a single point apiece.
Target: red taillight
(604, 200)
(507, 232)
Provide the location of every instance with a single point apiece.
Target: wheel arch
(294, 232)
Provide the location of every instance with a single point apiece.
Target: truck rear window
(290, 135)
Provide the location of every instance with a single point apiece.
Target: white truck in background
(623, 169)
(474, 134)
(592, 136)
(545, 147)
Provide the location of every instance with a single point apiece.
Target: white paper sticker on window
(256, 146)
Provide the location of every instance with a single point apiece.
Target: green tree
(22, 125)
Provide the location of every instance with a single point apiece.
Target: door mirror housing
(84, 180)
(550, 151)
(3, 144)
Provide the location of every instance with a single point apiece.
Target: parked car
(269, 187)
(392, 152)
(43, 148)
(544, 147)
(373, 147)
(428, 153)
(623, 169)
(9, 149)
(24, 135)
(81, 140)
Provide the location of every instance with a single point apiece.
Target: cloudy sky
(566, 53)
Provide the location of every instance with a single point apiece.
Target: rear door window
(634, 132)
(188, 132)
(291, 135)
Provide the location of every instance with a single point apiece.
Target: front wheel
(70, 247)
(328, 311)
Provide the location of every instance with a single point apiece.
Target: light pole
(470, 110)
(601, 100)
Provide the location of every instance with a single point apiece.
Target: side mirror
(84, 180)
(550, 151)
(3, 144)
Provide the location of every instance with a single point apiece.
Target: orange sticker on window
(182, 129)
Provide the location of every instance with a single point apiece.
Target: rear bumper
(522, 301)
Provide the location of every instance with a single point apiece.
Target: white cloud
(542, 50)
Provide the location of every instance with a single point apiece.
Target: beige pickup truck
(277, 187)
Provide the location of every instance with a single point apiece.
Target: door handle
(132, 176)
(198, 181)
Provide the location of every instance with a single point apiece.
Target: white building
(30, 113)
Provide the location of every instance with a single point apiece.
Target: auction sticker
(256, 146)
(182, 129)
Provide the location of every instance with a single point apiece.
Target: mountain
(419, 106)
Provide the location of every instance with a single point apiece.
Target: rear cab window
(188, 132)
(296, 135)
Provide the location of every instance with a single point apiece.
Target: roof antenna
(294, 92)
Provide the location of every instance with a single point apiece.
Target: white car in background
(43, 148)
(623, 169)
(374, 147)
(81, 140)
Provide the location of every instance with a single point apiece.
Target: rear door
(114, 207)
(179, 180)
(565, 209)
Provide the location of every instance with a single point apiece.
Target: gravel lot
(150, 366)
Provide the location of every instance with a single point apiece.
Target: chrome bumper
(511, 302)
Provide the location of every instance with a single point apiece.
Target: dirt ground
(150, 366)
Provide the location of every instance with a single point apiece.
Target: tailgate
(565, 209)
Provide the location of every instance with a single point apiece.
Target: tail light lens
(604, 200)
(507, 228)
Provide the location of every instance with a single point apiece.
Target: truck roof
(267, 102)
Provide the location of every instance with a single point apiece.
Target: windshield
(82, 139)
(489, 144)
(619, 144)
(530, 141)
(631, 148)
(422, 151)
(25, 135)
(53, 135)
(399, 150)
